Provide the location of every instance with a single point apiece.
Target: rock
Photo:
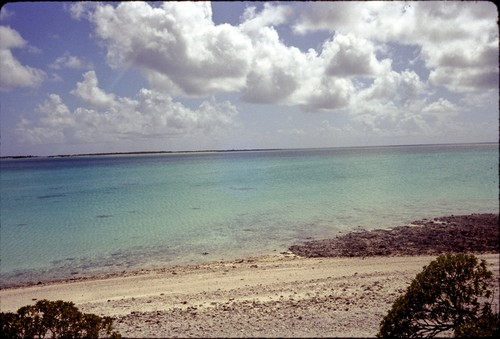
(477, 233)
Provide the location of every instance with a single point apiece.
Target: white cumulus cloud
(89, 91)
(177, 40)
(12, 73)
(108, 117)
(458, 40)
(387, 68)
(180, 50)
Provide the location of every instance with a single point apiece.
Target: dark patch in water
(21, 225)
(102, 216)
(49, 196)
(196, 208)
(242, 188)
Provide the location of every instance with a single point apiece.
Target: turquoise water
(71, 217)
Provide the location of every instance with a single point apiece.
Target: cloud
(108, 117)
(458, 40)
(88, 91)
(71, 62)
(441, 107)
(55, 120)
(81, 10)
(271, 15)
(275, 69)
(331, 17)
(10, 38)
(178, 41)
(404, 90)
(12, 73)
(351, 56)
(356, 72)
(462, 71)
(180, 50)
(400, 104)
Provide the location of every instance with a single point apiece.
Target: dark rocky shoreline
(474, 233)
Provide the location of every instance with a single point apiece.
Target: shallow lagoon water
(78, 216)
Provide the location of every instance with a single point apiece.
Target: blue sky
(81, 77)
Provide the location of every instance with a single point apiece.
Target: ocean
(73, 217)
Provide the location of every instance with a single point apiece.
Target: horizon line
(231, 150)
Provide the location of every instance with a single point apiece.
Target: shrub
(60, 319)
(450, 294)
(487, 325)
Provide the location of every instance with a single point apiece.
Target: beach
(273, 296)
(280, 295)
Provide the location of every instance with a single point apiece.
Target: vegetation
(450, 294)
(55, 319)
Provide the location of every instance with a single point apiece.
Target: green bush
(487, 325)
(59, 319)
(450, 294)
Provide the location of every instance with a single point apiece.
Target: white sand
(273, 296)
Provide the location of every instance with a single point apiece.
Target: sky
(90, 77)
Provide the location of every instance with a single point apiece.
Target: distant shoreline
(138, 153)
(227, 150)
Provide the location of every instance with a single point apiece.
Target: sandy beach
(336, 287)
(273, 296)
